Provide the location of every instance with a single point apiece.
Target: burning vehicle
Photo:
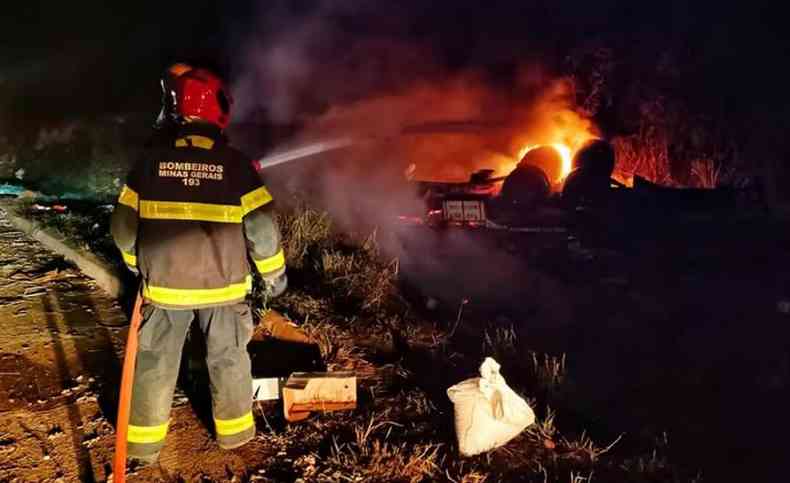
(549, 184)
(562, 198)
(535, 196)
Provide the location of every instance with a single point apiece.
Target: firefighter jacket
(195, 219)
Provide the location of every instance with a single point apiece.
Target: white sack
(488, 413)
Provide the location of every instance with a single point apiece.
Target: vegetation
(347, 299)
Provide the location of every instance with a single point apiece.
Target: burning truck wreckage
(569, 194)
(547, 185)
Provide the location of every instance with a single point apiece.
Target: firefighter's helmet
(168, 114)
(197, 94)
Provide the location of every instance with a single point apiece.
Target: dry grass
(358, 275)
(338, 349)
(646, 154)
(549, 370)
(500, 342)
(300, 305)
(371, 456)
(301, 230)
(418, 403)
(396, 435)
(654, 465)
(472, 476)
(544, 429)
(585, 447)
(383, 461)
(348, 273)
(707, 173)
(575, 478)
(401, 432)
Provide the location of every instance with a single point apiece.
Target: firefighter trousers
(227, 330)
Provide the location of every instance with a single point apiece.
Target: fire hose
(125, 398)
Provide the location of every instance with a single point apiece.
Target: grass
(303, 230)
(345, 296)
(550, 371)
(707, 173)
(646, 154)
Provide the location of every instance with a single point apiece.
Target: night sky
(66, 60)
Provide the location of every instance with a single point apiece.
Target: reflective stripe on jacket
(191, 217)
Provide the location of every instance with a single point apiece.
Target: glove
(276, 286)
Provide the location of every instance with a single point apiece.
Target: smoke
(446, 128)
(298, 60)
(340, 72)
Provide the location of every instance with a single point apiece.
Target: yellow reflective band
(129, 258)
(197, 296)
(147, 434)
(255, 199)
(128, 197)
(271, 264)
(229, 427)
(173, 210)
(195, 142)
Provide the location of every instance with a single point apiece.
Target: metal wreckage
(586, 203)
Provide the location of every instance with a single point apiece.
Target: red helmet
(199, 93)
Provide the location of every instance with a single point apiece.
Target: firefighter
(195, 221)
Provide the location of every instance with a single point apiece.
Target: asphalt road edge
(105, 276)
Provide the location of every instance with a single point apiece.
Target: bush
(350, 272)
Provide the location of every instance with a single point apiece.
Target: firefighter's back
(191, 247)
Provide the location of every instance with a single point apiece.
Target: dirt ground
(61, 340)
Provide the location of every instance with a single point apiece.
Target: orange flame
(567, 144)
(566, 154)
(553, 122)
